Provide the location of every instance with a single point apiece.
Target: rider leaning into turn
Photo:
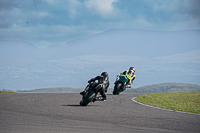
(130, 74)
(103, 84)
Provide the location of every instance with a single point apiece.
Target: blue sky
(51, 22)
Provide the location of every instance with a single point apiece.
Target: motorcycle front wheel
(117, 88)
(87, 98)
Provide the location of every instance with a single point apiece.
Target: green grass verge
(179, 101)
(7, 92)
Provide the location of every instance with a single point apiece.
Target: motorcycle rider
(102, 85)
(130, 74)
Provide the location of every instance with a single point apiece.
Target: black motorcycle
(91, 94)
(120, 85)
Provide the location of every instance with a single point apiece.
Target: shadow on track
(75, 105)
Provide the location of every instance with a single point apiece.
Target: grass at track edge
(179, 101)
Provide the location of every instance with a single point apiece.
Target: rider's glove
(90, 80)
(117, 78)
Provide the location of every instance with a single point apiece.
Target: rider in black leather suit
(103, 84)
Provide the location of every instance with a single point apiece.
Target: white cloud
(105, 8)
(75, 19)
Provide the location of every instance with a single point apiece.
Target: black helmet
(104, 74)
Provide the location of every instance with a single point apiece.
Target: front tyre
(117, 88)
(87, 98)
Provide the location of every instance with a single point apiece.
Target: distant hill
(165, 87)
(54, 90)
(155, 88)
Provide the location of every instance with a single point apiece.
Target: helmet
(104, 74)
(132, 69)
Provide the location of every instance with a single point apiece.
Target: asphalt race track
(61, 113)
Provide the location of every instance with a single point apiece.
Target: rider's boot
(103, 99)
(128, 86)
